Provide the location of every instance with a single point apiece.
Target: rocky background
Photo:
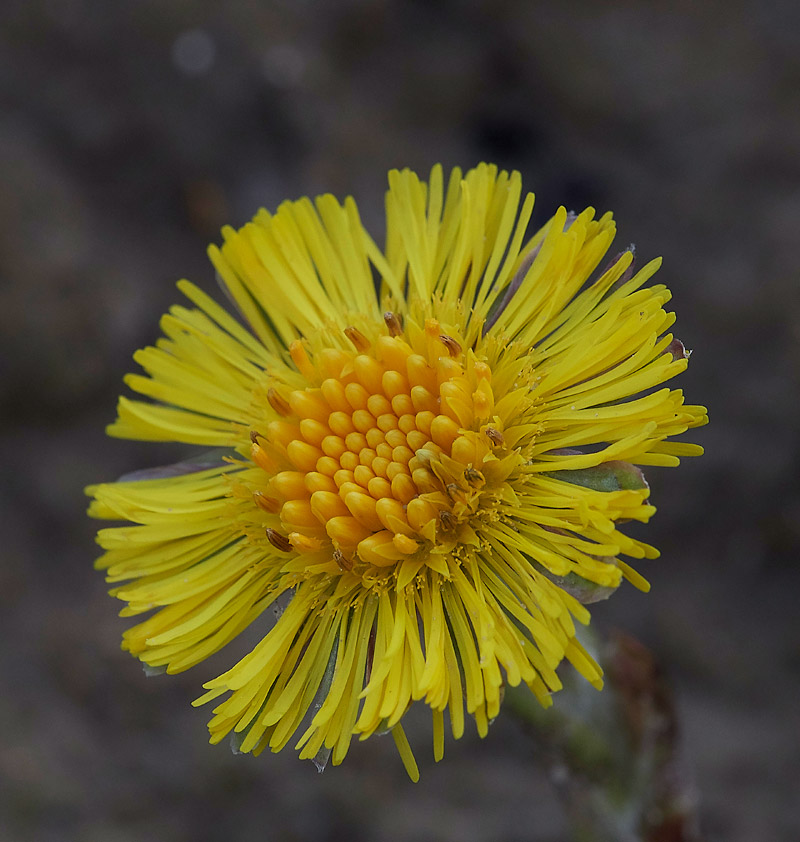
(131, 131)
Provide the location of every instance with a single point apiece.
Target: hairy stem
(612, 755)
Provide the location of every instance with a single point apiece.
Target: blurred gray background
(131, 131)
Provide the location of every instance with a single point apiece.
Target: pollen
(383, 459)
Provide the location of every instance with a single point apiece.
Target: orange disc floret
(385, 452)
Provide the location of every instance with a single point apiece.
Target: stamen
(268, 504)
(299, 355)
(447, 521)
(495, 437)
(280, 405)
(340, 558)
(358, 339)
(394, 323)
(263, 459)
(280, 542)
(474, 478)
(453, 347)
(384, 448)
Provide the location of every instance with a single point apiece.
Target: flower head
(427, 449)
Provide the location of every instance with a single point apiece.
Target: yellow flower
(428, 449)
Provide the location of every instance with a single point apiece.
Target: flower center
(386, 457)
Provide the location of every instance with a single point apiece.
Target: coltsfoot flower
(426, 451)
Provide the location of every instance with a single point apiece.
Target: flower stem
(613, 755)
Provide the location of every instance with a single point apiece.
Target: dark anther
(453, 347)
(343, 562)
(495, 437)
(268, 504)
(280, 542)
(447, 521)
(254, 436)
(278, 403)
(357, 338)
(474, 478)
(394, 323)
